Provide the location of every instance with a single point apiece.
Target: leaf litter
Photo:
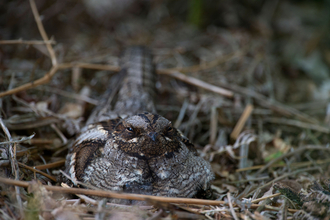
(248, 85)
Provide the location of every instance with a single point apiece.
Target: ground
(248, 82)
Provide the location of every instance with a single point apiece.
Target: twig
(42, 121)
(218, 182)
(197, 82)
(262, 100)
(140, 197)
(262, 205)
(40, 141)
(4, 215)
(109, 194)
(69, 94)
(292, 165)
(213, 125)
(10, 149)
(231, 206)
(283, 213)
(298, 124)
(29, 42)
(48, 76)
(192, 118)
(212, 63)
(14, 166)
(267, 197)
(59, 133)
(50, 165)
(269, 103)
(9, 211)
(43, 32)
(182, 113)
(298, 151)
(86, 198)
(23, 139)
(37, 171)
(241, 122)
(284, 176)
(96, 66)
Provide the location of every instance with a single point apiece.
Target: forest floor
(248, 82)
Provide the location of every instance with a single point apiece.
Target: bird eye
(169, 128)
(129, 129)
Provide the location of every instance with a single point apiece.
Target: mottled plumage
(142, 152)
(132, 90)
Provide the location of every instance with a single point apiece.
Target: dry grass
(246, 97)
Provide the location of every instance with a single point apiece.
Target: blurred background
(291, 36)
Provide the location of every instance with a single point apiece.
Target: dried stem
(292, 165)
(299, 124)
(37, 171)
(241, 122)
(43, 32)
(51, 165)
(140, 197)
(231, 206)
(48, 76)
(29, 42)
(267, 197)
(14, 165)
(197, 82)
(285, 176)
(296, 152)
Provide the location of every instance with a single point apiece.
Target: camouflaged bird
(129, 151)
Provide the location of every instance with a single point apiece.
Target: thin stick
(29, 42)
(139, 197)
(50, 165)
(70, 95)
(9, 211)
(213, 125)
(211, 64)
(182, 113)
(43, 32)
(284, 176)
(42, 121)
(262, 100)
(96, 66)
(23, 139)
(298, 124)
(48, 76)
(231, 206)
(37, 171)
(241, 122)
(39, 141)
(9, 142)
(86, 198)
(298, 151)
(267, 197)
(269, 103)
(14, 166)
(109, 194)
(292, 165)
(197, 82)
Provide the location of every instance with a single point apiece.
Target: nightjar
(129, 148)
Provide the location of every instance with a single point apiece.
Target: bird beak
(153, 135)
